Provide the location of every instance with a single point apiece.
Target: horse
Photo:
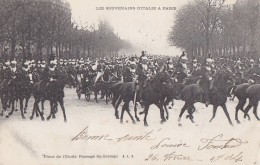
(218, 92)
(154, 93)
(104, 86)
(18, 89)
(240, 93)
(52, 91)
(173, 93)
(34, 77)
(193, 93)
(252, 93)
(124, 92)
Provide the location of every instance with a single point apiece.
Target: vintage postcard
(123, 82)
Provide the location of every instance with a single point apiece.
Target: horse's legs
(119, 100)
(226, 112)
(214, 112)
(114, 99)
(51, 110)
(34, 109)
(122, 112)
(55, 109)
(12, 105)
(106, 94)
(240, 105)
(249, 106)
(16, 104)
(96, 92)
(166, 111)
(146, 108)
(165, 107)
(160, 106)
(26, 103)
(182, 111)
(128, 111)
(21, 107)
(63, 109)
(42, 102)
(135, 109)
(191, 111)
(255, 110)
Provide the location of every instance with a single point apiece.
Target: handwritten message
(168, 149)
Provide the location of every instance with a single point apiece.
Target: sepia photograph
(123, 82)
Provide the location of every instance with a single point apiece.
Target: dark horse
(241, 94)
(52, 91)
(193, 93)
(252, 93)
(173, 92)
(18, 88)
(34, 77)
(219, 91)
(154, 93)
(124, 92)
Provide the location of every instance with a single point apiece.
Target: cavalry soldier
(169, 67)
(80, 71)
(129, 71)
(196, 70)
(253, 71)
(7, 73)
(210, 70)
(239, 75)
(181, 68)
(143, 75)
(100, 71)
(53, 70)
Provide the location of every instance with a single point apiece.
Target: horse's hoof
(25, 112)
(54, 117)
(170, 107)
(167, 117)
(188, 116)
(117, 117)
(31, 118)
(121, 121)
(7, 116)
(137, 119)
(145, 124)
(48, 118)
(37, 115)
(65, 120)
(140, 113)
(231, 124)
(42, 119)
(134, 122)
(23, 117)
(1, 114)
(180, 125)
(10, 113)
(163, 121)
(16, 110)
(238, 122)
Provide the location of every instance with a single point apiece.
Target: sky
(146, 29)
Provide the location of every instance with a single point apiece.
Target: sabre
(135, 98)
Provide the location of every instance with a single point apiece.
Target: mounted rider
(181, 71)
(237, 70)
(169, 67)
(210, 67)
(143, 75)
(196, 68)
(129, 71)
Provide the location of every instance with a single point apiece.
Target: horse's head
(224, 77)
